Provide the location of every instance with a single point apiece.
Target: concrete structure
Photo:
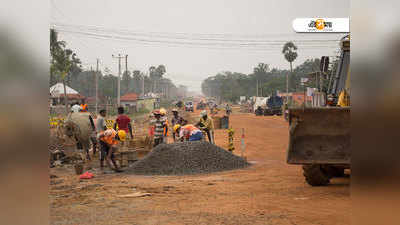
(148, 102)
(129, 99)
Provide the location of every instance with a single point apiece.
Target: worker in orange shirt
(109, 140)
(188, 133)
(84, 106)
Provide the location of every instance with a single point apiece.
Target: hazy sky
(190, 65)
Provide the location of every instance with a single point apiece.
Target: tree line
(263, 81)
(66, 67)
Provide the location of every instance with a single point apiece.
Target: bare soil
(268, 192)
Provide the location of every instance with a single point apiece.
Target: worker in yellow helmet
(176, 120)
(164, 117)
(176, 131)
(207, 125)
(109, 140)
(188, 133)
(344, 99)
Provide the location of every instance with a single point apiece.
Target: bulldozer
(319, 137)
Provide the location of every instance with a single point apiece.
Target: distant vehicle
(259, 111)
(189, 106)
(179, 104)
(274, 106)
(201, 105)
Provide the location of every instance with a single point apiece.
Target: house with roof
(129, 99)
(57, 95)
(149, 101)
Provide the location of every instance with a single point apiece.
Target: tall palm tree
(152, 75)
(260, 71)
(160, 71)
(289, 51)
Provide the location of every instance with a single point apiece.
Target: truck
(189, 106)
(319, 137)
(274, 106)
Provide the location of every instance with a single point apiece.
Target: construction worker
(109, 140)
(84, 106)
(228, 109)
(123, 122)
(159, 125)
(176, 119)
(176, 129)
(76, 107)
(344, 99)
(207, 125)
(164, 117)
(100, 126)
(188, 133)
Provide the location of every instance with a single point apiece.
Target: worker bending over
(206, 124)
(176, 119)
(109, 140)
(188, 133)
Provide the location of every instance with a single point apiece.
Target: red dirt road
(269, 192)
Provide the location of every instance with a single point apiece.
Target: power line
(88, 27)
(217, 44)
(179, 37)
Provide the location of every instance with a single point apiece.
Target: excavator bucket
(319, 136)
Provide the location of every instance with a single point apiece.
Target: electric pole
(119, 57)
(143, 84)
(287, 88)
(89, 87)
(126, 71)
(97, 84)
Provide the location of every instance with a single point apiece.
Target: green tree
(63, 62)
(260, 73)
(126, 82)
(289, 51)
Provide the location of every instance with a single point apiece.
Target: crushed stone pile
(186, 158)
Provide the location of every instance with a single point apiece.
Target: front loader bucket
(319, 136)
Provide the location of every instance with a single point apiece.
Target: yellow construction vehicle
(319, 138)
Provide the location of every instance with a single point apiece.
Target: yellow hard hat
(122, 135)
(163, 111)
(176, 127)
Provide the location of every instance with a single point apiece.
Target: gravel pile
(186, 158)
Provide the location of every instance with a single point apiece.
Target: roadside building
(57, 95)
(148, 102)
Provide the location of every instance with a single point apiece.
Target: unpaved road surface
(268, 192)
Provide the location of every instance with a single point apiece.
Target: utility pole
(119, 57)
(287, 88)
(97, 84)
(143, 83)
(126, 69)
(257, 87)
(89, 87)
(126, 63)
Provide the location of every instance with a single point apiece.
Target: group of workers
(182, 131)
(109, 139)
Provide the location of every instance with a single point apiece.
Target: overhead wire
(208, 44)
